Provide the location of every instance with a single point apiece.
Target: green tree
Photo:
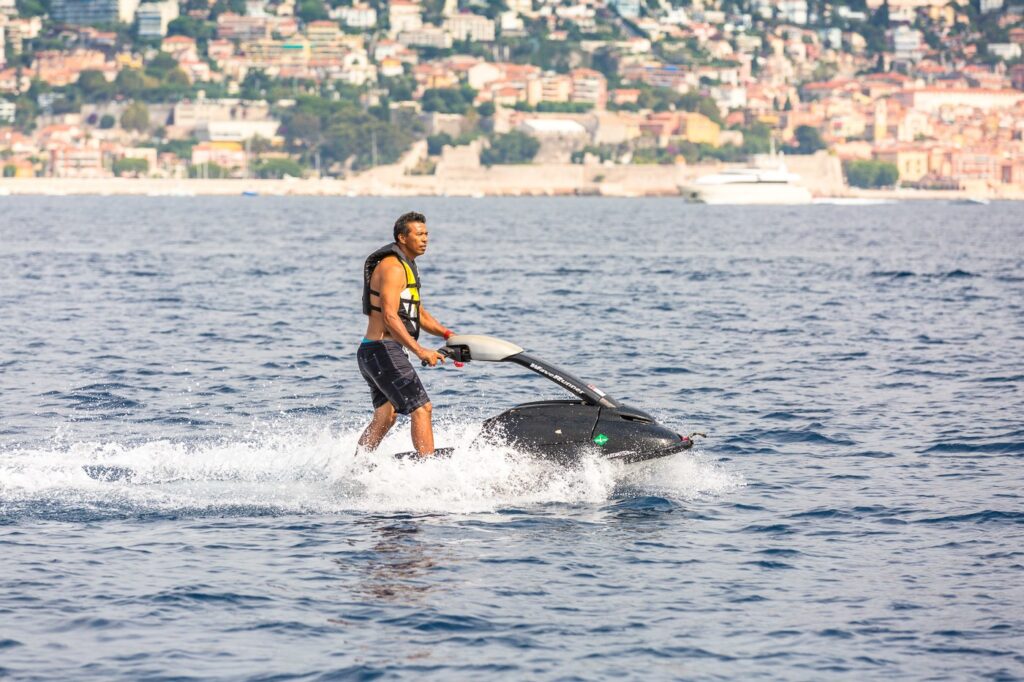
(130, 83)
(124, 166)
(436, 143)
(180, 148)
(94, 86)
(486, 110)
(808, 140)
(871, 174)
(512, 148)
(208, 170)
(311, 10)
(135, 117)
(888, 174)
(302, 129)
(278, 168)
(448, 100)
(701, 104)
(26, 111)
(161, 65)
(107, 122)
(32, 8)
(756, 138)
(10, 171)
(881, 16)
(191, 27)
(359, 137)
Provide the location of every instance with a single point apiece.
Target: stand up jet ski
(563, 430)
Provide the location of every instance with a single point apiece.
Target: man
(391, 299)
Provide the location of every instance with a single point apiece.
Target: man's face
(415, 239)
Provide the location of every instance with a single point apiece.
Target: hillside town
(919, 94)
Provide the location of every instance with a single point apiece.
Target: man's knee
(423, 410)
(386, 413)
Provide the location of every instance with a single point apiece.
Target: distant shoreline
(161, 187)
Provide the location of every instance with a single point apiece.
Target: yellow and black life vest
(409, 307)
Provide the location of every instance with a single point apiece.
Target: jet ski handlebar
(478, 347)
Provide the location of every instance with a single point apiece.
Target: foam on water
(310, 469)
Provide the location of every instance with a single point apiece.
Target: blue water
(855, 513)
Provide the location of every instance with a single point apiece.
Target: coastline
(650, 181)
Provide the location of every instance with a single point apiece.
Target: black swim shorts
(387, 370)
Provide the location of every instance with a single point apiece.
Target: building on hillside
(228, 155)
(90, 12)
(237, 130)
(220, 49)
(911, 162)
(907, 43)
(558, 138)
(615, 127)
(472, 27)
(427, 36)
(16, 31)
(932, 99)
(63, 68)
(481, 74)
(357, 16)
(626, 8)
(8, 110)
(191, 116)
(237, 27)
(325, 42)
(511, 24)
(589, 87)
(621, 96)
(404, 15)
(1005, 51)
(670, 76)
(699, 129)
(792, 11)
(180, 47)
(155, 16)
(76, 161)
(555, 87)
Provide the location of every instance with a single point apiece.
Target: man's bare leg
(383, 419)
(422, 430)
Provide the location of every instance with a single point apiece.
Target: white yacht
(749, 186)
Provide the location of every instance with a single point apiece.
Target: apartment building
(404, 15)
(89, 12)
(590, 87)
(471, 27)
(356, 16)
(155, 16)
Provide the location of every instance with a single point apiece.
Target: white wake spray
(304, 468)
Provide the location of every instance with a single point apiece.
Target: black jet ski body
(565, 430)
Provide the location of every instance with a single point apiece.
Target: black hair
(402, 224)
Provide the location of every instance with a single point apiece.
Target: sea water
(180, 403)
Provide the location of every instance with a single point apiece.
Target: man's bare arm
(430, 325)
(392, 283)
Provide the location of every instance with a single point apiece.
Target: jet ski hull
(568, 430)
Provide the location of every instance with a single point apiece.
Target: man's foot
(437, 453)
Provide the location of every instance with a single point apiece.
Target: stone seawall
(821, 174)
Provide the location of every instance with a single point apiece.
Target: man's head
(411, 233)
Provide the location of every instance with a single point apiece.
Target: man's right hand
(429, 357)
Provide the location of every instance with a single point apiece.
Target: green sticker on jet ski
(601, 439)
